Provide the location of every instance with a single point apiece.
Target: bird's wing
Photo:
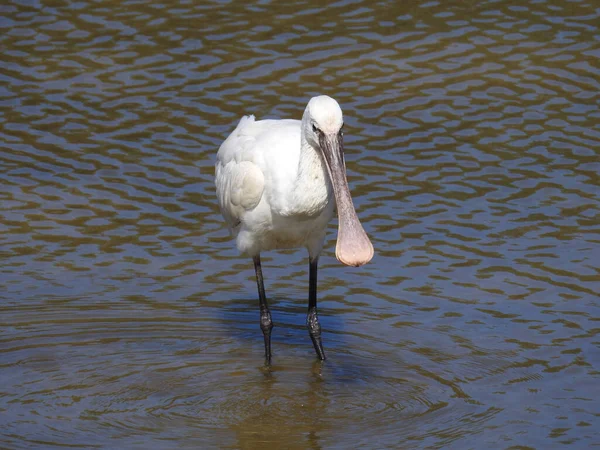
(240, 182)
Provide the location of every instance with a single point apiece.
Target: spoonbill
(278, 182)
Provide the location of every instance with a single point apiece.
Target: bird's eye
(315, 129)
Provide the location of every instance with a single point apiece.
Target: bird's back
(252, 138)
(258, 158)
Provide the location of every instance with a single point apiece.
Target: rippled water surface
(128, 319)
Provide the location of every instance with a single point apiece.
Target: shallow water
(128, 320)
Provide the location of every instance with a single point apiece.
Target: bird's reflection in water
(286, 418)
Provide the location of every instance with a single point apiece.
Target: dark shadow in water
(241, 316)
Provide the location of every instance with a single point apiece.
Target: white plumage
(277, 185)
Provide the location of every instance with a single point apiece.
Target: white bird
(278, 182)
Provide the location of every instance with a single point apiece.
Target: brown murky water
(473, 148)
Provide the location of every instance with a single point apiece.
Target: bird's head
(322, 128)
(325, 115)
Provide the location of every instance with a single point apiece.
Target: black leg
(312, 319)
(266, 324)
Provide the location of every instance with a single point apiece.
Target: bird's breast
(310, 198)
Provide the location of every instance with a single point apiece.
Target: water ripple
(472, 153)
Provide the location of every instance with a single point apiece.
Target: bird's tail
(244, 121)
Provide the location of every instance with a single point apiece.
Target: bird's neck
(311, 167)
(312, 189)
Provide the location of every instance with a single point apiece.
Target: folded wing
(239, 181)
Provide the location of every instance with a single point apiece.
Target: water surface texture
(127, 317)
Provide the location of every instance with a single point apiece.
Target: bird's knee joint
(312, 323)
(266, 324)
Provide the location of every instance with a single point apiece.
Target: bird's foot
(266, 325)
